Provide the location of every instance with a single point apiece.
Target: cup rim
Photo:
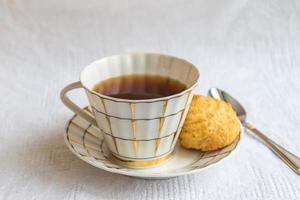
(141, 100)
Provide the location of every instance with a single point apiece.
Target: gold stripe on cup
(182, 114)
(161, 124)
(133, 125)
(109, 124)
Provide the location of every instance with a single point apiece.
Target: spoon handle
(290, 159)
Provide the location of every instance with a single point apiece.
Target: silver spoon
(290, 159)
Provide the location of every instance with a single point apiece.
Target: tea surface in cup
(137, 87)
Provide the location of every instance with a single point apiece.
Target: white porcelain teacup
(138, 133)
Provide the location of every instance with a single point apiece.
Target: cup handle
(76, 109)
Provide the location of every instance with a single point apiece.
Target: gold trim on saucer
(142, 163)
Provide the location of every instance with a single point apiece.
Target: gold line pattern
(146, 119)
(92, 134)
(185, 106)
(86, 146)
(127, 139)
(133, 125)
(236, 141)
(174, 137)
(105, 161)
(109, 124)
(68, 127)
(161, 124)
(108, 163)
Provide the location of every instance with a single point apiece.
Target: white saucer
(86, 142)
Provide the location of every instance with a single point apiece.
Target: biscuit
(210, 125)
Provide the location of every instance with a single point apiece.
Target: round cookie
(210, 125)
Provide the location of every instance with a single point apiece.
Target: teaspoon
(290, 159)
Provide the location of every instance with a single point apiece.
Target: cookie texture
(210, 125)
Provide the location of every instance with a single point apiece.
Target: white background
(250, 48)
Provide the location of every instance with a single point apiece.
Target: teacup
(138, 133)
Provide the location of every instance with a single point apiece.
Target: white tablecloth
(249, 48)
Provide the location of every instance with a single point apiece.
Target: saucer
(86, 142)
